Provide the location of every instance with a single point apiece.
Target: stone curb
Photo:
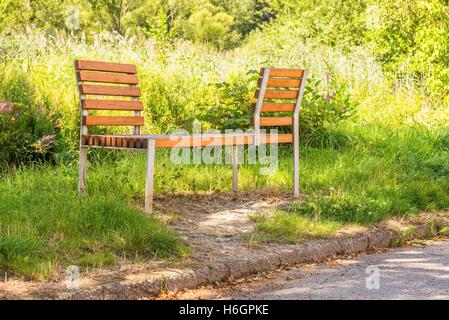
(312, 251)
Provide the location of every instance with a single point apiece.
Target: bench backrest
(116, 84)
(279, 90)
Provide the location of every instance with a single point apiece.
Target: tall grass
(178, 82)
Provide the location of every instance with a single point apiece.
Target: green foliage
(27, 134)
(12, 17)
(27, 130)
(325, 106)
(220, 23)
(340, 23)
(209, 25)
(411, 41)
(232, 108)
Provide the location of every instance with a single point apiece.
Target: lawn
(44, 226)
(375, 174)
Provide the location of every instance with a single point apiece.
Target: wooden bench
(279, 90)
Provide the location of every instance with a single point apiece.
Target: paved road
(404, 273)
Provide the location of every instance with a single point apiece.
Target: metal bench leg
(82, 170)
(149, 185)
(235, 168)
(296, 165)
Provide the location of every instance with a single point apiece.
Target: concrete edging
(309, 252)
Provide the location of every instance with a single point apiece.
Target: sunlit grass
(291, 228)
(44, 226)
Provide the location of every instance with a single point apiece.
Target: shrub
(26, 134)
(324, 106)
(232, 108)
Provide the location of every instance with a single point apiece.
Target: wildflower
(44, 144)
(6, 106)
(328, 95)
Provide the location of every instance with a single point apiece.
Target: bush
(26, 134)
(232, 108)
(325, 106)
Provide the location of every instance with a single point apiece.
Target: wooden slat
(120, 78)
(276, 107)
(286, 72)
(189, 141)
(221, 141)
(275, 121)
(110, 90)
(282, 83)
(279, 94)
(132, 143)
(112, 121)
(105, 66)
(92, 104)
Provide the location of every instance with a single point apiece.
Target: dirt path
(415, 272)
(216, 225)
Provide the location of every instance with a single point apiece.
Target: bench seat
(170, 141)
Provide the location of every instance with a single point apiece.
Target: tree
(412, 42)
(13, 15)
(210, 25)
(111, 13)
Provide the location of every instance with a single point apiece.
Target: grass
(291, 228)
(44, 226)
(380, 174)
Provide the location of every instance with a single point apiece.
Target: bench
(114, 86)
